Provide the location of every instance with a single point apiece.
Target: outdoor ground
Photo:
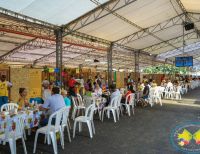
(147, 132)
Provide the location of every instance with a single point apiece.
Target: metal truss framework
(32, 44)
(135, 25)
(34, 31)
(176, 40)
(153, 29)
(157, 28)
(190, 49)
(47, 34)
(38, 27)
(101, 11)
(24, 18)
(186, 15)
(95, 15)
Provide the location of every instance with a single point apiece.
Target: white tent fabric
(160, 38)
(53, 11)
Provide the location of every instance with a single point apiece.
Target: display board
(30, 79)
(184, 61)
(120, 79)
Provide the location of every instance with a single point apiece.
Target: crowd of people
(55, 98)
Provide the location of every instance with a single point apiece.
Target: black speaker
(188, 26)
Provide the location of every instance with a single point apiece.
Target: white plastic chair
(177, 93)
(80, 99)
(155, 97)
(12, 136)
(65, 121)
(9, 106)
(51, 130)
(119, 107)
(112, 107)
(129, 103)
(184, 89)
(88, 118)
(122, 90)
(76, 106)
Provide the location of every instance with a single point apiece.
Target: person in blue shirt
(52, 104)
(66, 99)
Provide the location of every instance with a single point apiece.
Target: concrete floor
(147, 132)
(192, 97)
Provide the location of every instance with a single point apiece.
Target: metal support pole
(109, 58)
(80, 69)
(137, 69)
(59, 40)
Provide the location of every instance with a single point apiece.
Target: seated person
(66, 99)
(130, 91)
(53, 104)
(114, 92)
(153, 84)
(146, 91)
(98, 90)
(22, 101)
(145, 95)
(72, 83)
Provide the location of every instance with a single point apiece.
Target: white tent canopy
(154, 27)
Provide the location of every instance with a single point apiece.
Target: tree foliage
(165, 69)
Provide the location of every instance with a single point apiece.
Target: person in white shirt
(46, 91)
(98, 90)
(114, 92)
(169, 84)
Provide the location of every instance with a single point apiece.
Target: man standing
(4, 87)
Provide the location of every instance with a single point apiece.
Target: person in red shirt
(130, 91)
(71, 84)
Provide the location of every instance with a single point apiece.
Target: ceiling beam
(152, 29)
(134, 24)
(191, 50)
(22, 31)
(153, 48)
(25, 19)
(20, 47)
(95, 15)
(39, 27)
(10, 42)
(181, 6)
